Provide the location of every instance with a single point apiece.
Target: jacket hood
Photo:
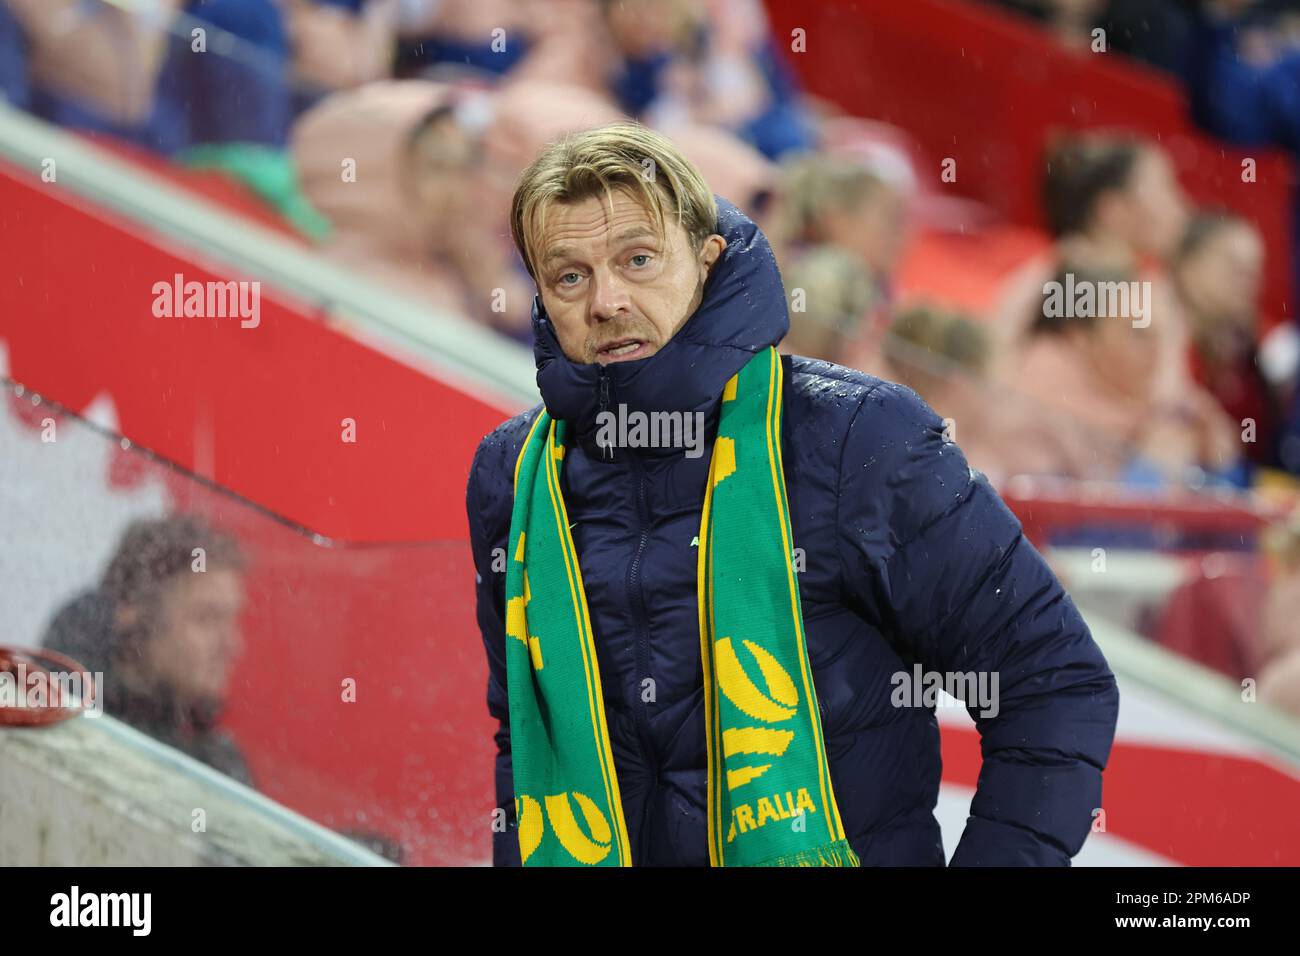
(742, 311)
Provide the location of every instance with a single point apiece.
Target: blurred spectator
(1117, 213)
(930, 350)
(397, 171)
(1218, 271)
(226, 101)
(568, 43)
(826, 204)
(206, 81)
(227, 79)
(1279, 676)
(92, 65)
(527, 116)
(1245, 87)
(714, 63)
(487, 37)
(339, 44)
(1154, 31)
(1249, 96)
(13, 60)
(524, 41)
(1112, 203)
(836, 201)
(1102, 376)
(164, 629)
(944, 358)
(731, 167)
(830, 295)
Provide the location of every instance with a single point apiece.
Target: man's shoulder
(823, 394)
(811, 376)
(895, 458)
(490, 490)
(501, 446)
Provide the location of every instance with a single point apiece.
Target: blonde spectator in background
(830, 296)
(836, 201)
(334, 48)
(932, 351)
(105, 56)
(398, 173)
(944, 357)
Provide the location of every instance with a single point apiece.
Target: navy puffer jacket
(909, 557)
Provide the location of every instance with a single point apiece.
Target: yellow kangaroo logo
(583, 848)
(590, 850)
(779, 703)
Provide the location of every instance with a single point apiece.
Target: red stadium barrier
(1050, 508)
(270, 400)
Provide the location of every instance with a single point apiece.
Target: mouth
(622, 350)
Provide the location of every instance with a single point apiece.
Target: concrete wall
(93, 791)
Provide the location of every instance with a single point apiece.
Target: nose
(609, 295)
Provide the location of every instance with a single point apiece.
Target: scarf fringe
(838, 853)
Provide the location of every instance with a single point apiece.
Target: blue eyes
(638, 261)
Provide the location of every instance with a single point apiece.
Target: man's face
(613, 292)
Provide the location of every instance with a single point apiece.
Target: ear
(711, 251)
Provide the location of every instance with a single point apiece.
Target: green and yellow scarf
(769, 792)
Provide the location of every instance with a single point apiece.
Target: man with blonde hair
(731, 658)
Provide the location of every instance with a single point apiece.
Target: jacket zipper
(636, 599)
(608, 450)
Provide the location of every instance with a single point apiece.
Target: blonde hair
(623, 155)
(812, 185)
(837, 295)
